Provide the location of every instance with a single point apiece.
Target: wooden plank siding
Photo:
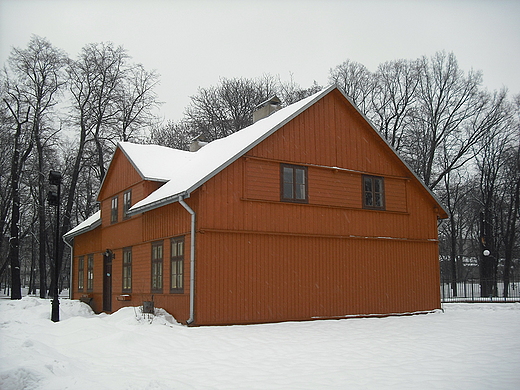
(137, 232)
(260, 259)
(251, 278)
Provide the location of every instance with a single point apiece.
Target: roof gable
(132, 163)
(217, 155)
(187, 171)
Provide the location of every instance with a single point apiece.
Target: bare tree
(509, 200)
(491, 159)
(356, 81)
(219, 111)
(22, 144)
(455, 196)
(177, 135)
(39, 72)
(393, 99)
(452, 116)
(291, 92)
(135, 102)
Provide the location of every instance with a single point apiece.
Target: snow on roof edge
(88, 224)
(300, 106)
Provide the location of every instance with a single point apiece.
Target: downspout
(192, 260)
(71, 260)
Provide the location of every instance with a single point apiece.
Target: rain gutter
(71, 260)
(192, 260)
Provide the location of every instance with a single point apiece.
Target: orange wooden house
(306, 214)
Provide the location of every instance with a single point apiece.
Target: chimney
(264, 109)
(197, 143)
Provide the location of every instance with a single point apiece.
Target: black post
(53, 197)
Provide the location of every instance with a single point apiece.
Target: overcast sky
(193, 43)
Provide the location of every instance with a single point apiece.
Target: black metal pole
(55, 179)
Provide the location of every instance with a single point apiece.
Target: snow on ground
(469, 346)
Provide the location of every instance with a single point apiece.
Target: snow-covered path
(469, 346)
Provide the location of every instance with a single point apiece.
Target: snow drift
(469, 346)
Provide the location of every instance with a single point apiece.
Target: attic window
(373, 192)
(294, 183)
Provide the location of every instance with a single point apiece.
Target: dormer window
(114, 210)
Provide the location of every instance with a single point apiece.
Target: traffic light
(53, 198)
(54, 178)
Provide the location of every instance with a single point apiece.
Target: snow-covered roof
(152, 162)
(189, 170)
(90, 223)
(183, 172)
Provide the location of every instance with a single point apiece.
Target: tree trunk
(509, 239)
(14, 244)
(42, 219)
(67, 214)
(453, 255)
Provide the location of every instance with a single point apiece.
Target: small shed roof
(90, 223)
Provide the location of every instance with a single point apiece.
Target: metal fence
(471, 290)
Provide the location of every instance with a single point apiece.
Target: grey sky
(193, 43)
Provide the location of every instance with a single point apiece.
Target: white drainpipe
(71, 270)
(192, 260)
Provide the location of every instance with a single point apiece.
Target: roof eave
(158, 203)
(85, 229)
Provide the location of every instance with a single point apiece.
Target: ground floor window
(90, 272)
(177, 265)
(81, 273)
(157, 266)
(127, 269)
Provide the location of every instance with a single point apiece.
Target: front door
(107, 281)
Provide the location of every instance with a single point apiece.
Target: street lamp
(53, 197)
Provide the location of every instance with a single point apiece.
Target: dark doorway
(107, 280)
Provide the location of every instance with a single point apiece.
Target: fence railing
(475, 290)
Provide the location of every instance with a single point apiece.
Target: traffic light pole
(54, 200)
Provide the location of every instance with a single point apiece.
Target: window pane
(300, 191)
(300, 183)
(300, 176)
(287, 175)
(368, 199)
(378, 185)
(288, 191)
(368, 184)
(159, 276)
(379, 200)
